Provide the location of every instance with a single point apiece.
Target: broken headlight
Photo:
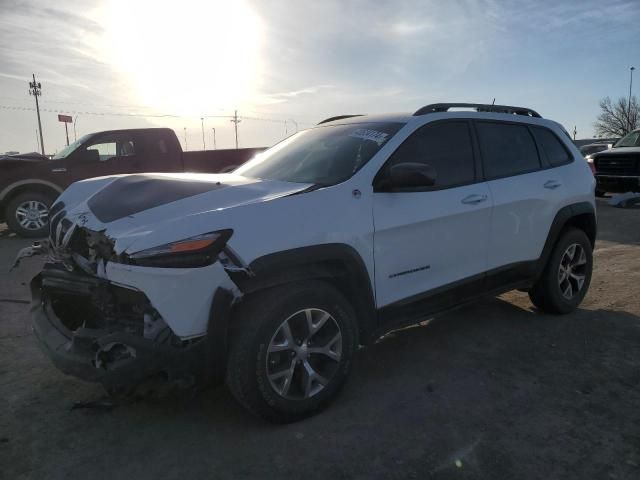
(193, 252)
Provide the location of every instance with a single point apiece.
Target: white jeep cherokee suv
(272, 275)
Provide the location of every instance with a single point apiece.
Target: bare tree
(619, 118)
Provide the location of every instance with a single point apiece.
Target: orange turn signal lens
(191, 245)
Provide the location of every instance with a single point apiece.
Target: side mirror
(411, 175)
(93, 155)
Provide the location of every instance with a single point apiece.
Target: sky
(285, 65)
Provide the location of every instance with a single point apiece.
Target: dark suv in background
(617, 170)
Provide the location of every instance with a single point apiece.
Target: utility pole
(186, 147)
(204, 147)
(575, 131)
(236, 120)
(629, 104)
(214, 138)
(75, 135)
(35, 89)
(37, 139)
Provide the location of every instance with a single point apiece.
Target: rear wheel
(567, 275)
(291, 350)
(27, 214)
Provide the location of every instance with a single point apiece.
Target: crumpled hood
(131, 208)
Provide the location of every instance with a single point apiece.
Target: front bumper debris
(94, 333)
(37, 248)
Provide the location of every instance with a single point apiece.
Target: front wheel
(567, 275)
(291, 350)
(27, 214)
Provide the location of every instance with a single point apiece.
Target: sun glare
(190, 57)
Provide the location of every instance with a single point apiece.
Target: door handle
(552, 184)
(58, 170)
(474, 199)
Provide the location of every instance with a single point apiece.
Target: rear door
(158, 151)
(525, 192)
(431, 237)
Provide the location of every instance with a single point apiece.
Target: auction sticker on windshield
(368, 134)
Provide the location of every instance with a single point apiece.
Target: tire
(255, 374)
(29, 203)
(548, 294)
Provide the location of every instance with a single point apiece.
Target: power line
(77, 112)
(151, 115)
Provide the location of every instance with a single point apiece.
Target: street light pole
(204, 147)
(214, 138)
(186, 147)
(75, 135)
(35, 89)
(629, 104)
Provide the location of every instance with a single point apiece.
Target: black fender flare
(581, 215)
(337, 263)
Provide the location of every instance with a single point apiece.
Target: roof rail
(339, 117)
(480, 107)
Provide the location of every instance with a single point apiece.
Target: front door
(107, 154)
(435, 236)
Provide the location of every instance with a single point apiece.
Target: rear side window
(507, 149)
(551, 147)
(446, 147)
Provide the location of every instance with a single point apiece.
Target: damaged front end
(100, 332)
(101, 317)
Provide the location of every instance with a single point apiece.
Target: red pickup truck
(28, 185)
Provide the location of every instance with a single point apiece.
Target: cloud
(282, 97)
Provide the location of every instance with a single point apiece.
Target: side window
(106, 150)
(507, 149)
(549, 144)
(446, 147)
(113, 146)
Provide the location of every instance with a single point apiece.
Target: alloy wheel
(304, 354)
(572, 270)
(32, 215)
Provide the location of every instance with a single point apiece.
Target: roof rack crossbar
(339, 117)
(479, 107)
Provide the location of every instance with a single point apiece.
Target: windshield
(66, 151)
(324, 155)
(631, 139)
